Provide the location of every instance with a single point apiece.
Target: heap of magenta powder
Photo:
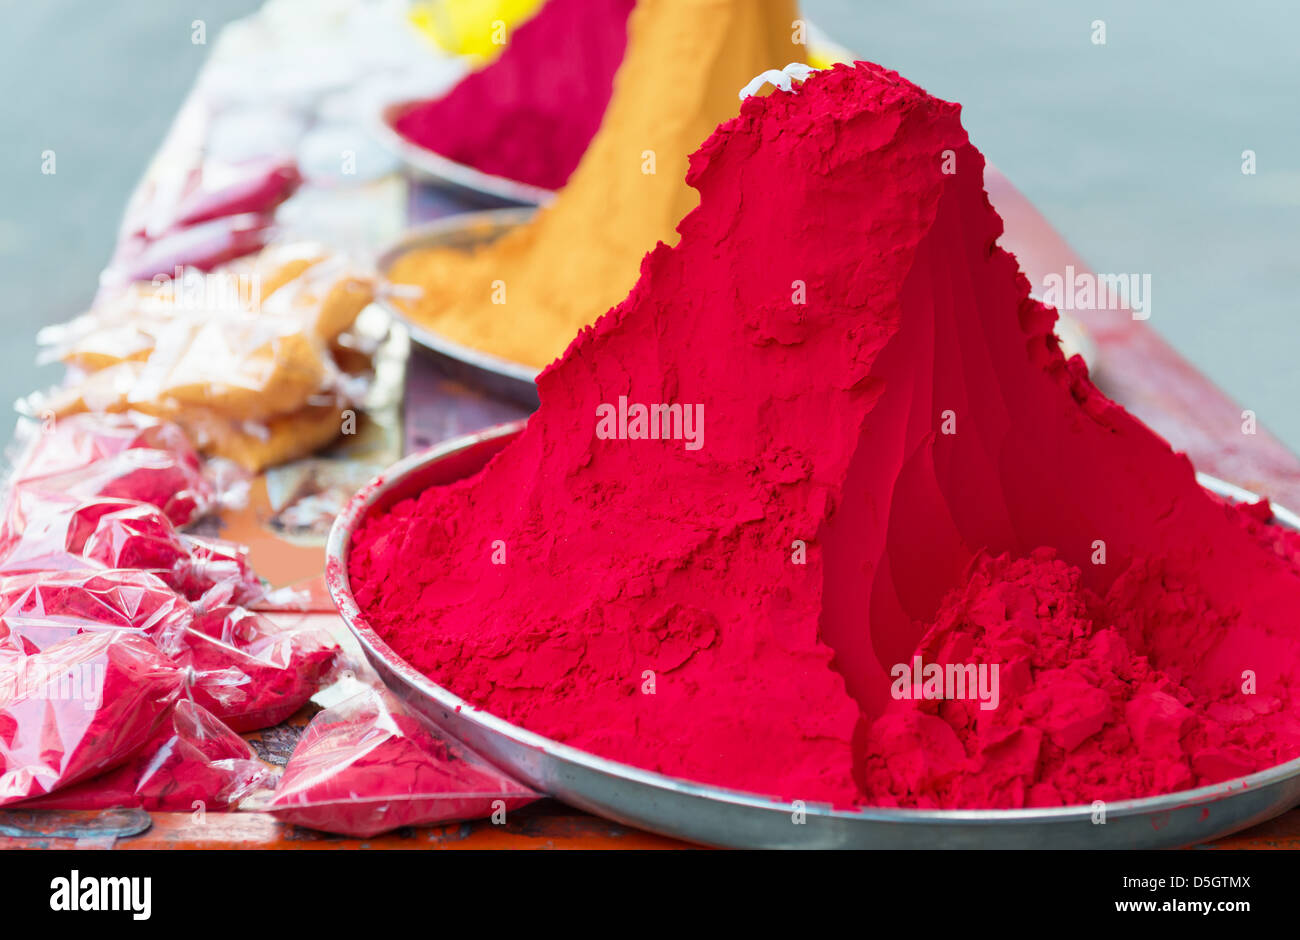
(530, 114)
(892, 459)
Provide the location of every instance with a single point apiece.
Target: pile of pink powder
(891, 459)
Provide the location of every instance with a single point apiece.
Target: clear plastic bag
(215, 573)
(39, 609)
(136, 535)
(204, 245)
(368, 765)
(192, 760)
(48, 531)
(257, 186)
(121, 456)
(58, 533)
(80, 440)
(245, 668)
(208, 191)
(244, 359)
(78, 708)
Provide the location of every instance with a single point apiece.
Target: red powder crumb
(887, 438)
(367, 766)
(1079, 707)
(529, 115)
(1258, 519)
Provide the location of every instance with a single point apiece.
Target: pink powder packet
(369, 765)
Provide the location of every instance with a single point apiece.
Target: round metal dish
(432, 167)
(501, 377)
(718, 816)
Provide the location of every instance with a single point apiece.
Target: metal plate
(513, 381)
(717, 816)
(433, 167)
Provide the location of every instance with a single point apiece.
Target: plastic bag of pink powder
(203, 245)
(369, 765)
(256, 186)
(127, 456)
(192, 760)
(77, 441)
(49, 531)
(138, 535)
(210, 190)
(63, 534)
(245, 668)
(216, 573)
(78, 708)
(39, 609)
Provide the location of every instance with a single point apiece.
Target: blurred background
(1132, 149)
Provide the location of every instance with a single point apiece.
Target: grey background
(1131, 149)
(98, 83)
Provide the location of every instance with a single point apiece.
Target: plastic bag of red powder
(192, 760)
(78, 708)
(245, 668)
(257, 186)
(77, 441)
(210, 191)
(215, 573)
(204, 245)
(369, 765)
(48, 531)
(114, 533)
(39, 609)
(138, 535)
(127, 456)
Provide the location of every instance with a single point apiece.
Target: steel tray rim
(433, 167)
(502, 377)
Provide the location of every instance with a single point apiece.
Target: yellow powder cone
(686, 62)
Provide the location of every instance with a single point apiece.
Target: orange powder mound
(524, 296)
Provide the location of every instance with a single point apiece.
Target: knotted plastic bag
(78, 708)
(192, 761)
(369, 765)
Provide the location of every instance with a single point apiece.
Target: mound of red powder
(891, 458)
(529, 115)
